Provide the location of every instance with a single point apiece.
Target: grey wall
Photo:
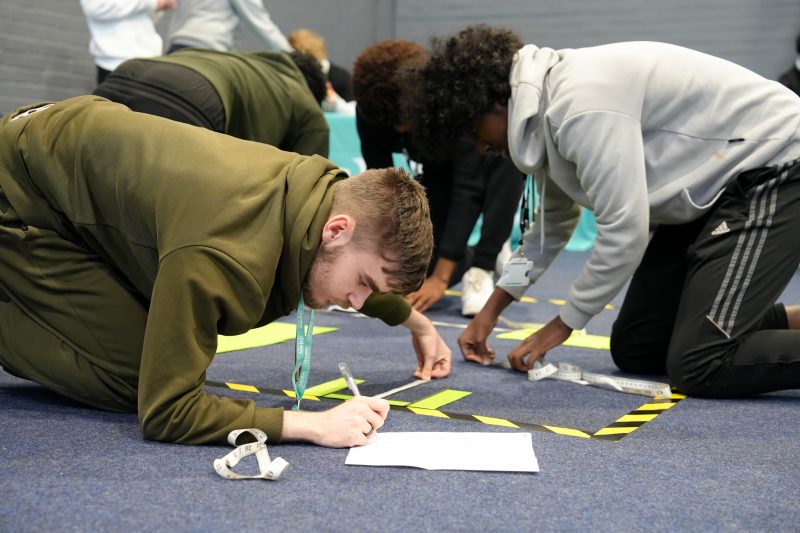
(348, 26)
(43, 52)
(758, 34)
(44, 43)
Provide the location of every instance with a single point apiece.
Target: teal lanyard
(302, 352)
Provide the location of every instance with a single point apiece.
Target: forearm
(497, 303)
(418, 324)
(299, 426)
(444, 269)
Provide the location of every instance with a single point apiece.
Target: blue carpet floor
(702, 465)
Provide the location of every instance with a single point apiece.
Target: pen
(351, 384)
(348, 378)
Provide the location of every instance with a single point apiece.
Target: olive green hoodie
(265, 96)
(216, 233)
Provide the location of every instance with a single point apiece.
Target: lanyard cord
(525, 215)
(302, 352)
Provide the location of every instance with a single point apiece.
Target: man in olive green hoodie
(267, 97)
(129, 242)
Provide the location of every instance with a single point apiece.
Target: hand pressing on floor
(344, 426)
(433, 356)
(554, 333)
(473, 342)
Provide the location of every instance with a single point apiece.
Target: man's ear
(338, 230)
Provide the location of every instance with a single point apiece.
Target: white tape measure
(267, 469)
(574, 374)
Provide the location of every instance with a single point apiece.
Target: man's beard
(318, 272)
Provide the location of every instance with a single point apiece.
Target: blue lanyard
(302, 352)
(525, 208)
(525, 215)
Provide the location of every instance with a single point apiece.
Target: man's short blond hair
(392, 218)
(306, 41)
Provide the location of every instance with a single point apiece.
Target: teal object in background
(582, 238)
(345, 151)
(344, 145)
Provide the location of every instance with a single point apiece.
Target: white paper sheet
(505, 452)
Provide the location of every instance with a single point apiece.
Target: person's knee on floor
(635, 348)
(33, 352)
(707, 371)
(693, 380)
(637, 356)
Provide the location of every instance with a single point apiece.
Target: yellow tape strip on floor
(495, 421)
(306, 396)
(569, 432)
(623, 426)
(578, 339)
(329, 387)
(627, 424)
(426, 412)
(273, 333)
(526, 299)
(245, 388)
(440, 399)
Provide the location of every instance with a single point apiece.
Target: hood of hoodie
(526, 144)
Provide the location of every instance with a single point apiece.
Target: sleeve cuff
(516, 291)
(391, 308)
(270, 421)
(573, 317)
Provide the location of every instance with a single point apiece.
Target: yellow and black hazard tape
(617, 430)
(627, 424)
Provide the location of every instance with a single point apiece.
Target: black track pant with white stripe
(701, 307)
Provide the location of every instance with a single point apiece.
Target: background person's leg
(491, 186)
(730, 339)
(503, 184)
(69, 324)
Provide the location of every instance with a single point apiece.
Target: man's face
(345, 277)
(490, 132)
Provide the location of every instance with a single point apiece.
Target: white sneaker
(502, 258)
(477, 286)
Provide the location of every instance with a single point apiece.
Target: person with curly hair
(267, 97)
(791, 78)
(460, 187)
(691, 165)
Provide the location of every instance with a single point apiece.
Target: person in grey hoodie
(212, 24)
(690, 164)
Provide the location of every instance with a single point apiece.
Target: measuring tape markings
(574, 374)
(268, 469)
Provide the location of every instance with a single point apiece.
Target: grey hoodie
(641, 134)
(212, 24)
